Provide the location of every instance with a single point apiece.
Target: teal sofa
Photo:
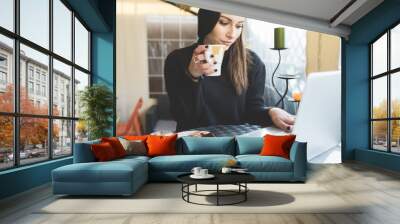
(125, 176)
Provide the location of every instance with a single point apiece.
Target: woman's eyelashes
(225, 23)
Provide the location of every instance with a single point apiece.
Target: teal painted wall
(355, 74)
(100, 17)
(103, 62)
(103, 53)
(24, 178)
(380, 159)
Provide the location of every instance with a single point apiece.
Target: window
(44, 91)
(37, 89)
(37, 74)
(30, 72)
(62, 31)
(33, 148)
(3, 78)
(34, 21)
(30, 87)
(81, 81)
(3, 72)
(55, 102)
(385, 94)
(3, 61)
(62, 74)
(62, 137)
(7, 14)
(45, 131)
(6, 142)
(81, 45)
(6, 73)
(164, 34)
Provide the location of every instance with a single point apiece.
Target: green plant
(96, 103)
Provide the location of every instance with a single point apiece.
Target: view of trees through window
(385, 92)
(38, 75)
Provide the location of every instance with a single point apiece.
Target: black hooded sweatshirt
(213, 100)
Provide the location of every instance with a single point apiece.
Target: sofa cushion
(275, 145)
(257, 163)
(161, 145)
(111, 171)
(248, 145)
(103, 152)
(116, 145)
(135, 137)
(207, 145)
(185, 163)
(133, 158)
(134, 147)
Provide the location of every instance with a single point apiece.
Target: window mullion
(389, 104)
(73, 82)
(16, 84)
(371, 97)
(50, 81)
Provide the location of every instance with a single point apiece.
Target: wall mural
(208, 73)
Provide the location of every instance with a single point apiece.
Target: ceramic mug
(215, 53)
(196, 171)
(203, 172)
(226, 170)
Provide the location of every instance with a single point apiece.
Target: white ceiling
(320, 9)
(315, 15)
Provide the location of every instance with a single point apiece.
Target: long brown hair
(239, 61)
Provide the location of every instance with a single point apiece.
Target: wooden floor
(378, 188)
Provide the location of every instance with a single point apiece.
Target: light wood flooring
(378, 188)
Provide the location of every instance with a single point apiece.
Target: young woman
(234, 97)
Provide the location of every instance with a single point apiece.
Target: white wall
(132, 70)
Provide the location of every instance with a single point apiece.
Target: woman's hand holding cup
(199, 65)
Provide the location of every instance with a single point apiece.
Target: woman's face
(226, 31)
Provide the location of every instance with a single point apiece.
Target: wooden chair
(133, 125)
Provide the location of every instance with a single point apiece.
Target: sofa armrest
(298, 155)
(83, 152)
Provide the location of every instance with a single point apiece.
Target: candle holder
(285, 77)
(273, 77)
(297, 92)
(297, 102)
(279, 45)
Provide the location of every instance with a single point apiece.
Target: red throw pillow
(161, 145)
(277, 145)
(103, 152)
(116, 145)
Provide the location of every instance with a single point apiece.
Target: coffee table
(238, 179)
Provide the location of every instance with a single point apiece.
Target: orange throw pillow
(103, 152)
(161, 145)
(116, 145)
(135, 137)
(277, 145)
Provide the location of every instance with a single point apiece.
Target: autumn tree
(380, 127)
(33, 131)
(6, 122)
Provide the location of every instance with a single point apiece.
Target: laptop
(318, 120)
